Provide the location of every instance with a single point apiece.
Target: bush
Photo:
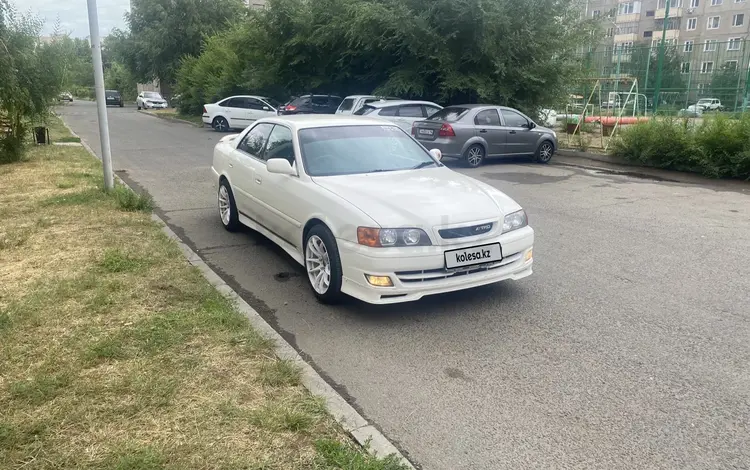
(131, 201)
(718, 147)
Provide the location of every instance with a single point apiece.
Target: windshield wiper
(424, 164)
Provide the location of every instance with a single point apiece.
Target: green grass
(116, 353)
(168, 113)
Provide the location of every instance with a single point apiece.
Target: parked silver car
(403, 113)
(474, 132)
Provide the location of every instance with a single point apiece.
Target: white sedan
(238, 112)
(150, 100)
(366, 210)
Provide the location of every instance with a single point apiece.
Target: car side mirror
(437, 154)
(532, 124)
(280, 166)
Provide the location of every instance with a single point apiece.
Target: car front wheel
(323, 264)
(544, 152)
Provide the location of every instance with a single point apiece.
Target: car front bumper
(417, 272)
(155, 105)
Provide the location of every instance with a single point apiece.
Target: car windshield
(152, 94)
(450, 114)
(349, 150)
(705, 101)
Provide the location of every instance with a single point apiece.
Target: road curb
(170, 119)
(363, 432)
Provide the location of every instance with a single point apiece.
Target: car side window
(513, 119)
(320, 100)
(389, 111)
(255, 140)
(237, 103)
(252, 103)
(280, 145)
(410, 110)
(430, 110)
(488, 117)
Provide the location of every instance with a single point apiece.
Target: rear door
(234, 110)
(521, 139)
(488, 126)
(408, 114)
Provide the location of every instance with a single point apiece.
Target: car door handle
(258, 180)
(483, 131)
(512, 132)
(231, 165)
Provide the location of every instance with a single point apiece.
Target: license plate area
(428, 132)
(473, 256)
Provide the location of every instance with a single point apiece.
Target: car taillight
(289, 107)
(413, 129)
(204, 110)
(446, 131)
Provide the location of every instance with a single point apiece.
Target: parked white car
(366, 210)
(401, 112)
(353, 103)
(150, 100)
(238, 112)
(710, 104)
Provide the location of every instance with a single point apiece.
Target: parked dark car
(113, 98)
(474, 132)
(312, 104)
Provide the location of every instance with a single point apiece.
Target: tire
(474, 156)
(544, 152)
(121, 104)
(220, 124)
(139, 106)
(227, 207)
(322, 253)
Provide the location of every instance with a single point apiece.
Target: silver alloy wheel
(545, 152)
(475, 156)
(225, 205)
(318, 264)
(221, 124)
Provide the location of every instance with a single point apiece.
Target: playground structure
(619, 108)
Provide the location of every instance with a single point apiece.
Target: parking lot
(627, 348)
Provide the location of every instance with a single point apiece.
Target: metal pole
(660, 64)
(648, 66)
(101, 105)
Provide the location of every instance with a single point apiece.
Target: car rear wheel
(323, 264)
(474, 156)
(227, 208)
(544, 152)
(220, 124)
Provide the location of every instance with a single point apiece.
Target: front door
(521, 139)
(237, 113)
(246, 166)
(487, 125)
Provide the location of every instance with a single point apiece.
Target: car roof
(387, 103)
(244, 96)
(356, 97)
(306, 121)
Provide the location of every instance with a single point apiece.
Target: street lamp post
(660, 64)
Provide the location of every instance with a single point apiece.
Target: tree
(645, 58)
(31, 76)
(161, 32)
(521, 54)
(724, 85)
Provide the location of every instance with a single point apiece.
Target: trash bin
(42, 135)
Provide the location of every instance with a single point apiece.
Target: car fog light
(528, 256)
(411, 237)
(379, 281)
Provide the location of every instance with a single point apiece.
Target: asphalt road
(629, 347)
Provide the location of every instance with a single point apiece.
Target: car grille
(436, 274)
(461, 232)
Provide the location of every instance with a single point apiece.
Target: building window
(730, 65)
(709, 45)
(610, 32)
(650, 13)
(734, 44)
(713, 22)
(738, 19)
(739, 1)
(672, 4)
(692, 24)
(685, 67)
(694, 3)
(688, 46)
(667, 42)
(648, 34)
(716, 2)
(629, 8)
(596, 13)
(707, 67)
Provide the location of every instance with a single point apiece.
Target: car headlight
(386, 237)
(514, 221)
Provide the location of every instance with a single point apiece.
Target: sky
(73, 15)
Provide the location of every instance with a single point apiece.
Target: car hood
(425, 198)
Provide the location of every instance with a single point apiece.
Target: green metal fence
(689, 71)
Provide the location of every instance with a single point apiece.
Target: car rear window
(366, 109)
(450, 114)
